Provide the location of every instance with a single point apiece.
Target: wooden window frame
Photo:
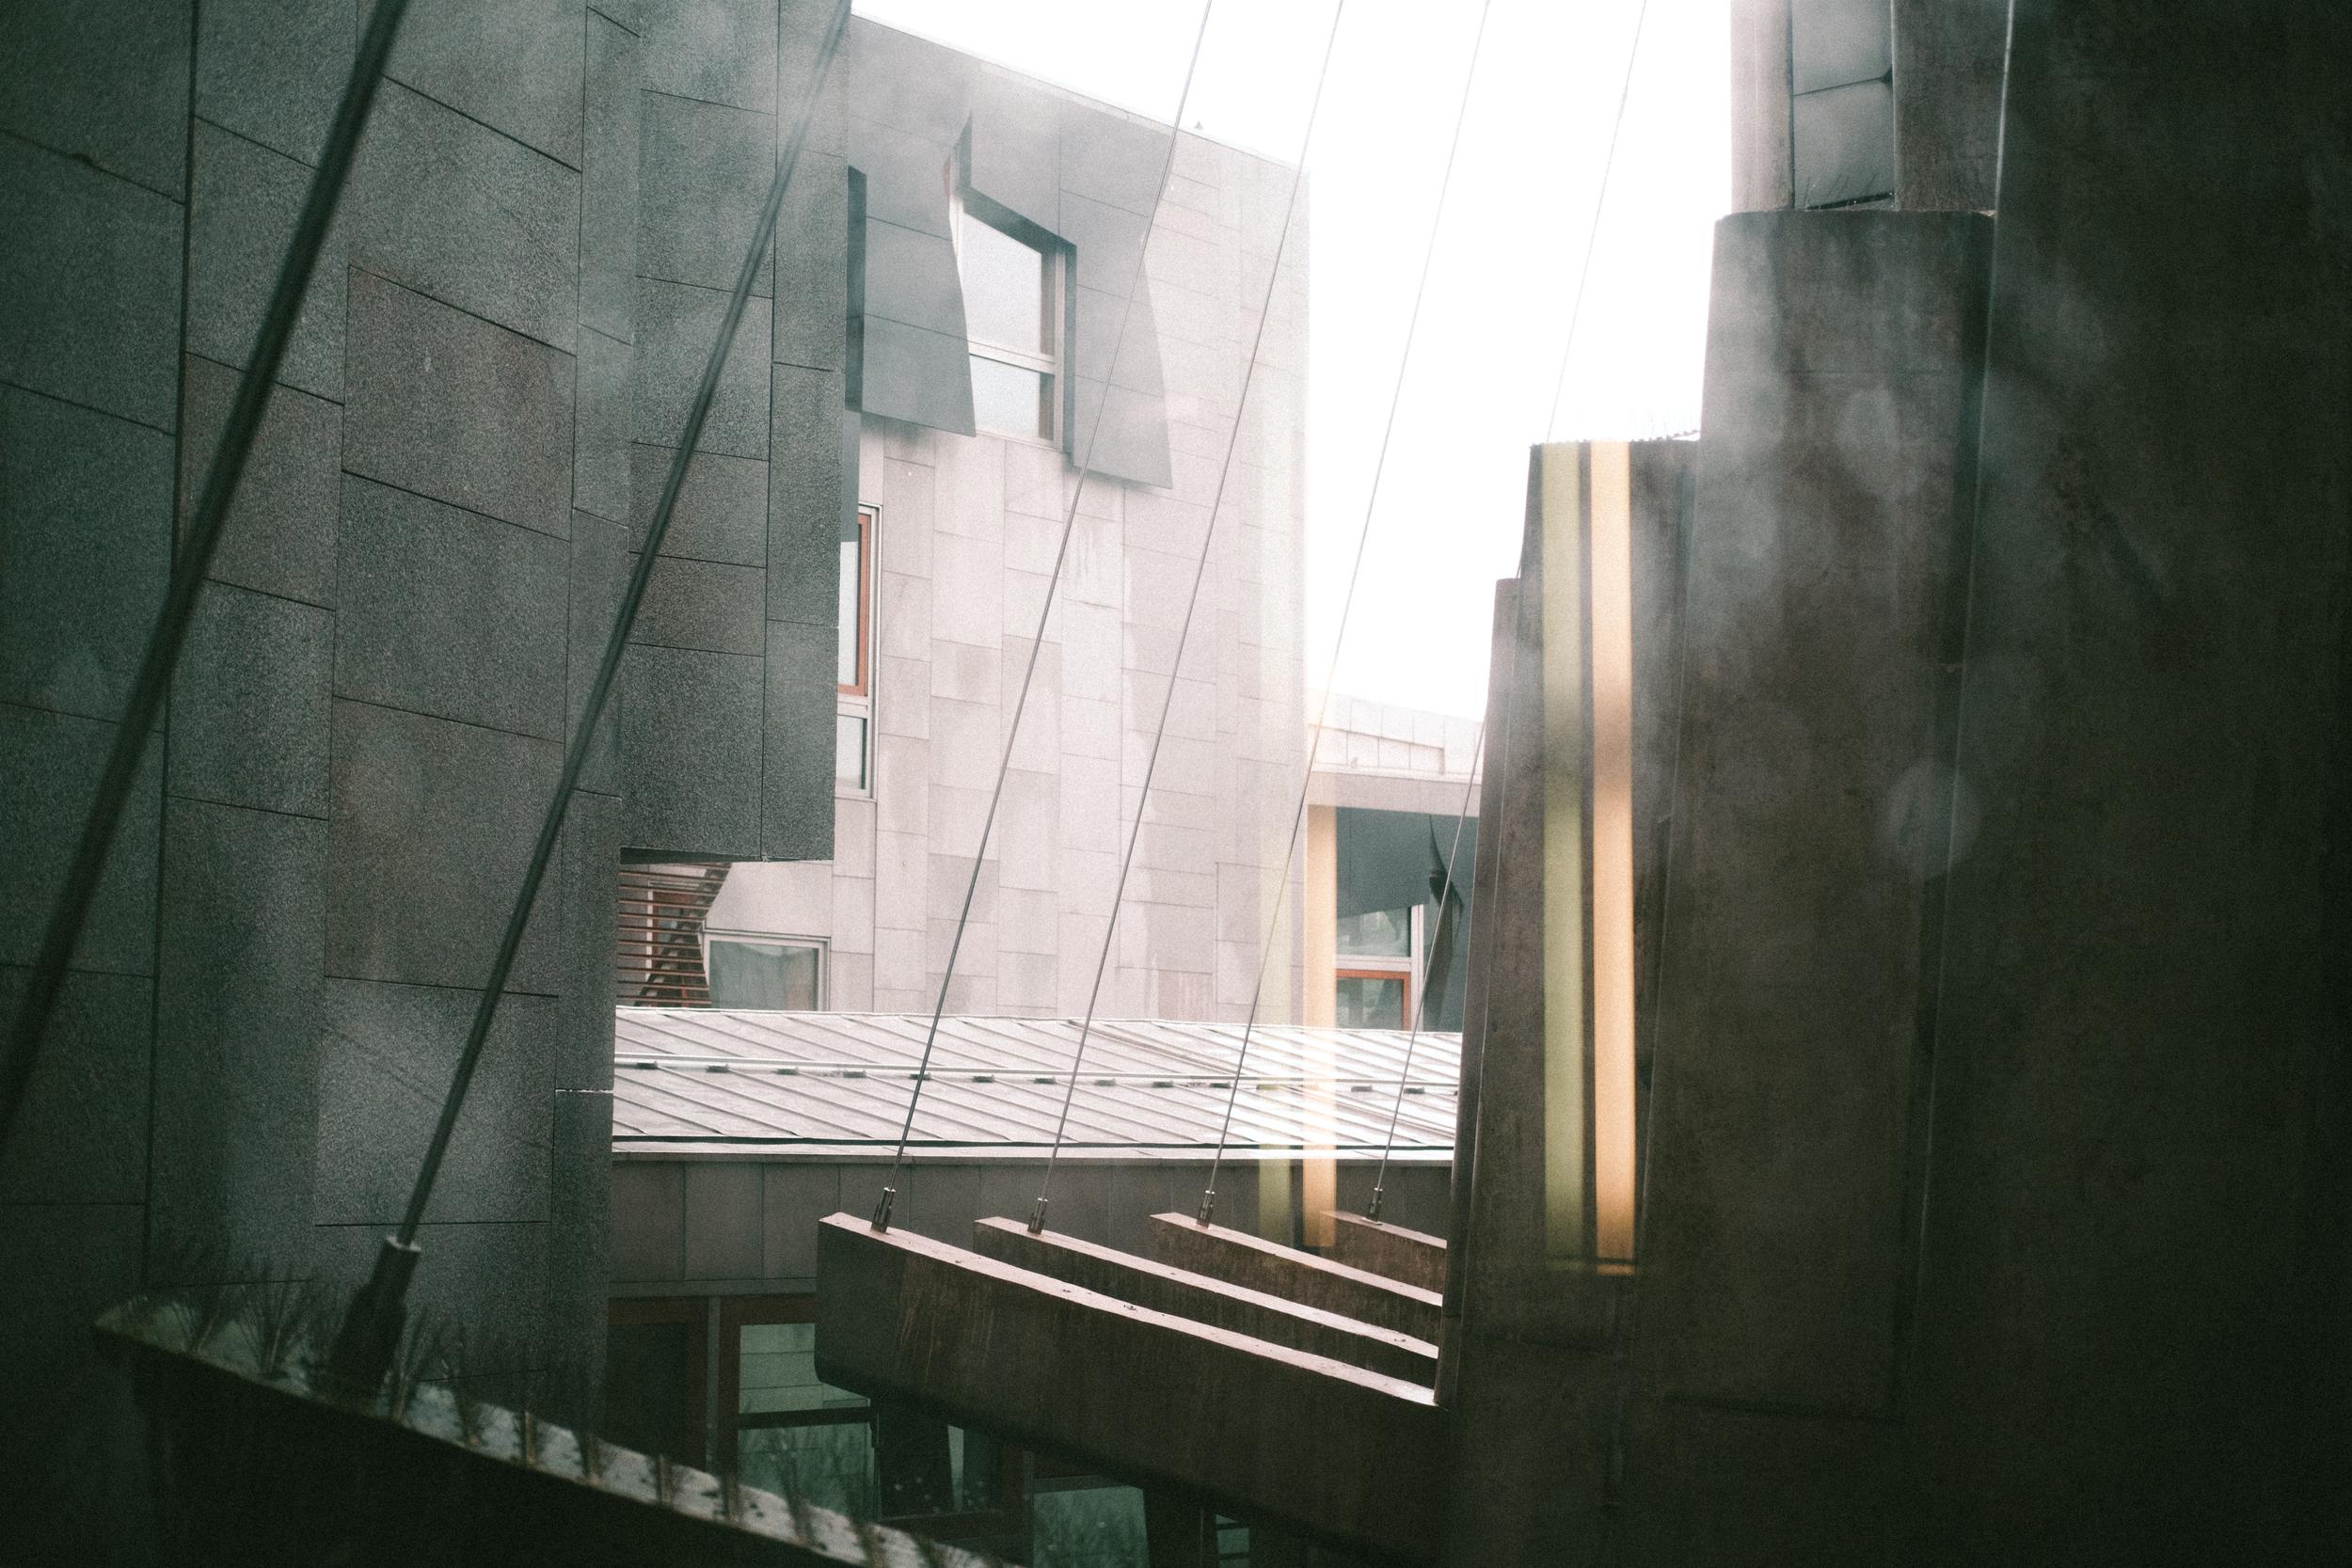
(863, 685)
(1402, 975)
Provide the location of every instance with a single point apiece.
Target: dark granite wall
(403, 622)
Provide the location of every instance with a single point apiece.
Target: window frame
(1051, 363)
(1401, 974)
(856, 700)
(822, 947)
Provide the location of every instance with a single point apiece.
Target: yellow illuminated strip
(1318, 1177)
(1611, 574)
(1564, 1156)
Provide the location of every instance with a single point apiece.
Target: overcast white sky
(1488, 354)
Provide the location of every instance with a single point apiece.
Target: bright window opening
(1013, 318)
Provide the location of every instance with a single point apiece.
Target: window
(657, 956)
(1012, 309)
(790, 1432)
(1372, 1000)
(853, 717)
(1378, 968)
(777, 974)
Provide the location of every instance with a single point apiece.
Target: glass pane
(1010, 399)
(852, 613)
(776, 1370)
(762, 975)
(1099, 1527)
(1004, 290)
(1368, 1004)
(831, 1465)
(1381, 933)
(848, 750)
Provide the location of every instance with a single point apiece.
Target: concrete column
(2132, 1333)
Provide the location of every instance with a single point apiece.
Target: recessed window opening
(1378, 969)
(854, 717)
(1012, 318)
(770, 972)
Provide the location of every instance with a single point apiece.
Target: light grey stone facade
(967, 529)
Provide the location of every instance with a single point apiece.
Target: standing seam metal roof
(777, 1082)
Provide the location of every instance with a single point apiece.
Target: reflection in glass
(851, 618)
(1005, 290)
(1378, 933)
(770, 974)
(848, 750)
(1011, 400)
(1370, 1002)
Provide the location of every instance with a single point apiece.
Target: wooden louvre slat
(658, 961)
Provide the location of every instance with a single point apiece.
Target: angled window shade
(658, 959)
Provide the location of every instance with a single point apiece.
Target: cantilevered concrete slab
(1413, 1257)
(1164, 1289)
(1301, 1442)
(1240, 1259)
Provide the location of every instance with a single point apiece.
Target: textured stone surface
(448, 612)
(812, 247)
(249, 703)
(453, 407)
(2141, 1044)
(797, 804)
(804, 499)
(590, 873)
(719, 51)
(608, 181)
(92, 274)
(600, 451)
(242, 219)
(1950, 62)
(279, 537)
(721, 511)
(386, 1057)
(489, 1276)
(600, 569)
(448, 207)
(1836, 470)
(703, 603)
(513, 65)
(236, 1069)
(49, 767)
(104, 81)
(690, 736)
(675, 328)
(85, 551)
(704, 180)
(273, 70)
(433, 825)
(82, 1135)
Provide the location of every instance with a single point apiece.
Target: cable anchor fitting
(881, 1209)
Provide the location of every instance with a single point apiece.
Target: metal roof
(801, 1085)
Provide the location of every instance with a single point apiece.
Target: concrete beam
(1172, 1290)
(1238, 1257)
(1413, 1257)
(1302, 1442)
